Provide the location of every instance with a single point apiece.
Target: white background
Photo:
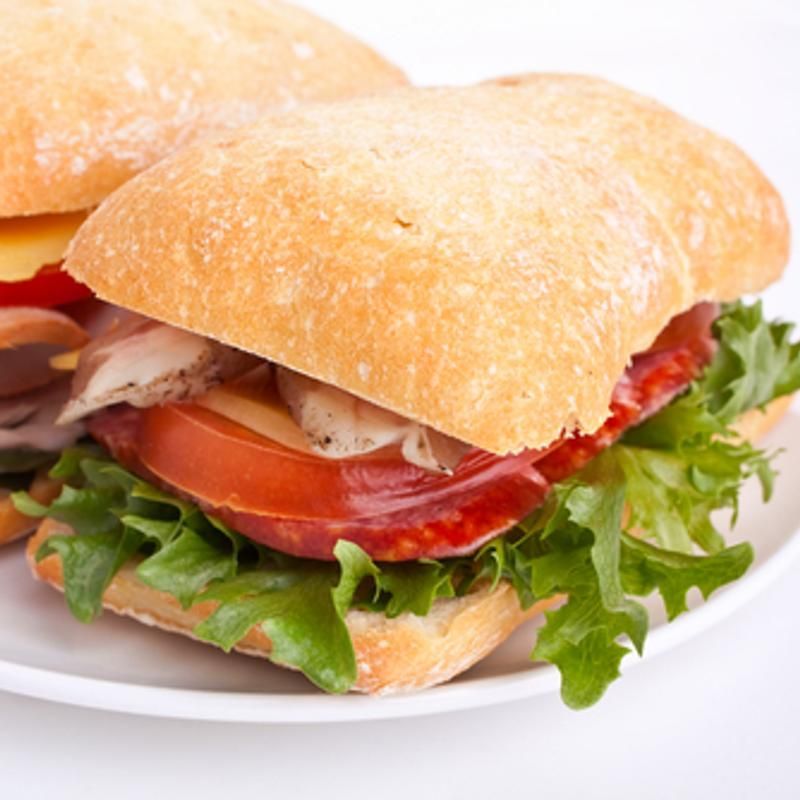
(718, 717)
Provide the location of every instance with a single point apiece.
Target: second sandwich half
(92, 93)
(408, 369)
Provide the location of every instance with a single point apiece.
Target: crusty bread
(94, 92)
(757, 423)
(470, 258)
(721, 209)
(394, 655)
(14, 525)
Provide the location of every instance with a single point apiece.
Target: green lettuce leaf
(591, 559)
(89, 562)
(755, 363)
(301, 609)
(635, 521)
(186, 565)
(301, 604)
(646, 567)
(298, 613)
(673, 491)
(414, 586)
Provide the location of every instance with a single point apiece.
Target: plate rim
(253, 707)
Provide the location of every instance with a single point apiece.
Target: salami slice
(302, 504)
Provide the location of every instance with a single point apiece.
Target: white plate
(120, 665)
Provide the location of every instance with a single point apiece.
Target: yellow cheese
(66, 362)
(29, 243)
(253, 402)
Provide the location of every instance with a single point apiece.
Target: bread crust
(466, 257)
(14, 525)
(724, 213)
(404, 654)
(95, 92)
(754, 424)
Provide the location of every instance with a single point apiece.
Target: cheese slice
(29, 243)
(253, 402)
(66, 362)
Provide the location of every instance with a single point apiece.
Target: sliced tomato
(50, 287)
(303, 504)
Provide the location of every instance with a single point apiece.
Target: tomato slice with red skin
(302, 504)
(50, 287)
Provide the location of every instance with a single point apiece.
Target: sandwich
(95, 92)
(410, 369)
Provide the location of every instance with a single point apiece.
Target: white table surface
(717, 717)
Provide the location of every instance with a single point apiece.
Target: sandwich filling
(288, 533)
(384, 500)
(34, 332)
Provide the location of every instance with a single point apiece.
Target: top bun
(484, 260)
(725, 216)
(94, 92)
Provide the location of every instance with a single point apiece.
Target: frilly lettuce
(636, 520)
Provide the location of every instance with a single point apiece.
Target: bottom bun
(755, 423)
(393, 655)
(403, 654)
(14, 525)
